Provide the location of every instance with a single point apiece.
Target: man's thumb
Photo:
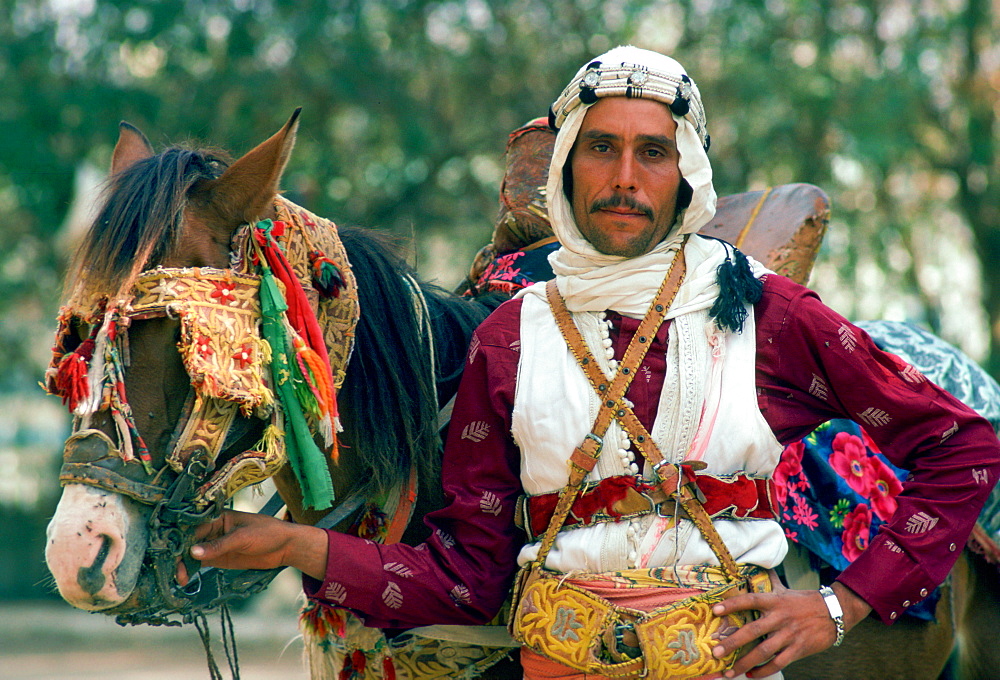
(201, 550)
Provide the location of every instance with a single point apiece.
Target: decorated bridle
(269, 338)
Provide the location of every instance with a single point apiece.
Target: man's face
(625, 175)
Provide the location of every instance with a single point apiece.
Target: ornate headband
(634, 81)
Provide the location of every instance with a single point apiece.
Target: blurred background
(891, 106)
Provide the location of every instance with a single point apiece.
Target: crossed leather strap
(675, 480)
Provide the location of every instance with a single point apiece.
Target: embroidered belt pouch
(568, 623)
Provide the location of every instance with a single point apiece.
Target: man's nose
(625, 178)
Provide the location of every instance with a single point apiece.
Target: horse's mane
(390, 397)
(139, 221)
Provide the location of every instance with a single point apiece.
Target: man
(630, 181)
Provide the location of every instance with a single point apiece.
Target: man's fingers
(746, 634)
(748, 601)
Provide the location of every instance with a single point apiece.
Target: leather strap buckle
(598, 440)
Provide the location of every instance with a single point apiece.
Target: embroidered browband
(220, 341)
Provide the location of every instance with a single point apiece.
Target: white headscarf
(591, 280)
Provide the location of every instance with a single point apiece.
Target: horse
(163, 438)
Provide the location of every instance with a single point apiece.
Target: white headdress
(593, 280)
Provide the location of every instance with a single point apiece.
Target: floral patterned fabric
(519, 269)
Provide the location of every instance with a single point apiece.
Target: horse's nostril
(92, 578)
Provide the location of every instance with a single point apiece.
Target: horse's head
(164, 354)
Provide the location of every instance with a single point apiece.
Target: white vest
(707, 411)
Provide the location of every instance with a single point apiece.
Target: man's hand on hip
(792, 624)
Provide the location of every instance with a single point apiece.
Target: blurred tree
(891, 107)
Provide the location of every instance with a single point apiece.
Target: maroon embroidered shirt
(812, 365)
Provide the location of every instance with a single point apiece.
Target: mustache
(622, 201)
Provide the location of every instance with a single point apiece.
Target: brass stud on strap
(642, 338)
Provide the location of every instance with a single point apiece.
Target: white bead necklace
(625, 452)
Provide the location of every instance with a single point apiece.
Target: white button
(951, 547)
(893, 616)
(906, 603)
(923, 592)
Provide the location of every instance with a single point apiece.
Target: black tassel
(737, 286)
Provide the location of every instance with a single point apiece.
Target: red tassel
(323, 620)
(360, 661)
(70, 381)
(347, 672)
(388, 669)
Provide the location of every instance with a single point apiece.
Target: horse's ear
(246, 190)
(131, 148)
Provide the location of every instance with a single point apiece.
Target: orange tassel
(322, 386)
(321, 377)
